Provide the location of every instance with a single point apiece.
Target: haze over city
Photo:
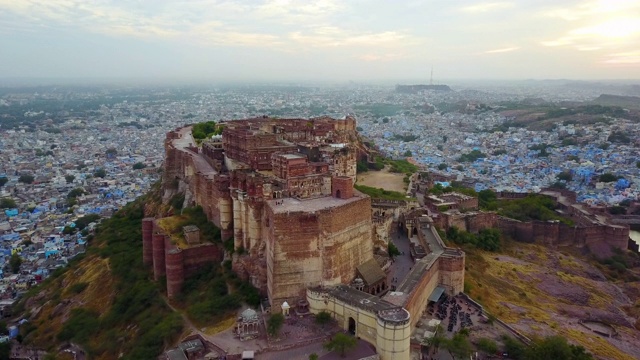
(320, 40)
(320, 179)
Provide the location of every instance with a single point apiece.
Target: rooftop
(360, 299)
(293, 156)
(371, 271)
(288, 205)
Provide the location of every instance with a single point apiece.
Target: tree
(15, 263)
(75, 193)
(5, 350)
(407, 153)
(274, 324)
(458, 346)
(617, 210)
(111, 152)
(341, 343)
(323, 318)
(4, 180)
(607, 178)
(443, 166)
(26, 178)
(513, 347)
(7, 203)
(69, 178)
(392, 249)
(487, 199)
(101, 173)
(313, 356)
(437, 339)
(489, 239)
(552, 347)
(361, 166)
(139, 165)
(487, 345)
(565, 176)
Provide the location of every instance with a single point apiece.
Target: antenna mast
(431, 79)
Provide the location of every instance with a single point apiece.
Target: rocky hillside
(543, 292)
(107, 304)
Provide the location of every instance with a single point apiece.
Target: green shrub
(487, 345)
(77, 288)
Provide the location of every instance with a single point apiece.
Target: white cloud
(624, 58)
(337, 37)
(503, 50)
(599, 26)
(487, 7)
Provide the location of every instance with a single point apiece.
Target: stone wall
(175, 263)
(451, 270)
(147, 241)
(598, 239)
(320, 248)
(387, 328)
(416, 301)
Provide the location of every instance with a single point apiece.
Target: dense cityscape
(73, 155)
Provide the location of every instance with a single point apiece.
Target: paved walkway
(402, 264)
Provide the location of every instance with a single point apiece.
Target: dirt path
(193, 329)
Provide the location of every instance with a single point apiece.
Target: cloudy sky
(324, 39)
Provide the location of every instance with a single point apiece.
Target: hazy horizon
(324, 40)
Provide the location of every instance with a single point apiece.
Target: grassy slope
(118, 311)
(107, 303)
(510, 287)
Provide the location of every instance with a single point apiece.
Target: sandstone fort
(283, 190)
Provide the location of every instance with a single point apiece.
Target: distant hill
(410, 89)
(627, 102)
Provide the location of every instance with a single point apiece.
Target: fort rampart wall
(176, 263)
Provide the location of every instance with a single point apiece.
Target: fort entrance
(352, 326)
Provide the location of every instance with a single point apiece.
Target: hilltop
(627, 102)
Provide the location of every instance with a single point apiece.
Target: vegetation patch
(173, 225)
(123, 311)
(214, 294)
(207, 129)
(379, 193)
